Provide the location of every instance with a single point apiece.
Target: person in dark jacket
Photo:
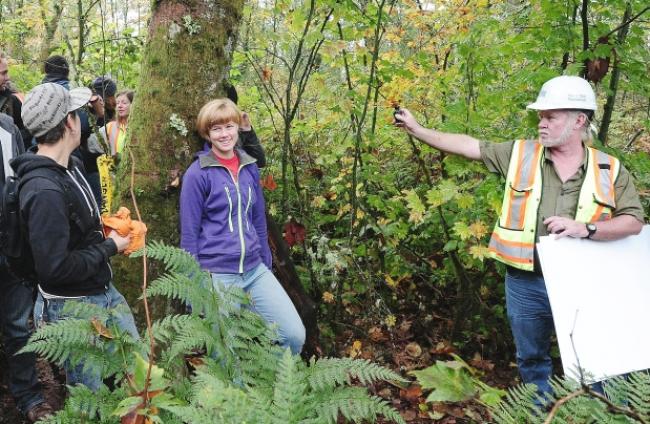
(71, 254)
(247, 137)
(10, 104)
(16, 304)
(106, 89)
(223, 221)
(57, 71)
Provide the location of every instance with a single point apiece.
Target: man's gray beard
(559, 141)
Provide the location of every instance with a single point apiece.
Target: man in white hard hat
(586, 194)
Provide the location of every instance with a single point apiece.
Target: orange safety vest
(513, 238)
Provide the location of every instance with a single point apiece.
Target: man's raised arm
(458, 144)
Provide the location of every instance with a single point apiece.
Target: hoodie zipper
(229, 209)
(239, 207)
(248, 205)
(239, 220)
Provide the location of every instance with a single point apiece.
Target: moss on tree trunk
(185, 64)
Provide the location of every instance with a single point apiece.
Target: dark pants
(16, 304)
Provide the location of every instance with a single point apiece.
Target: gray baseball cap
(48, 104)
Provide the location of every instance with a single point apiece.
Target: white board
(600, 292)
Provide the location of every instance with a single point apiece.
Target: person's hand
(121, 242)
(97, 105)
(563, 227)
(404, 119)
(245, 122)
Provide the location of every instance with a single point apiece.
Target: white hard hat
(565, 92)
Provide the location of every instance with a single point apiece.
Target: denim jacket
(223, 221)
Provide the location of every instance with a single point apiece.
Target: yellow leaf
(390, 321)
(328, 297)
(318, 202)
(355, 349)
(479, 252)
(478, 229)
(389, 280)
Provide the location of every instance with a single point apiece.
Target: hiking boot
(40, 411)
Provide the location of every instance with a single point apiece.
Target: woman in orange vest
(115, 131)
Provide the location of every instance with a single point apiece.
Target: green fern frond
(173, 258)
(354, 404)
(518, 406)
(288, 405)
(84, 406)
(638, 393)
(331, 372)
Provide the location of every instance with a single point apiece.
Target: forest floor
(406, 348)
(399, 348)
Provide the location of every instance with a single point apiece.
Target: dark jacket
(10, 141)
(223, 222)
(11, 105)
(68, 245)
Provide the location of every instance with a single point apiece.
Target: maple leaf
(294, 232)
(328, 297)
(479, 252)
(266, 73)
(415, 206)
(449, 380)
(465, 201)
(478, 229)
(462, 230)
(318, 202)
(269, 183)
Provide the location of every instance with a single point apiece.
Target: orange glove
(122, 223)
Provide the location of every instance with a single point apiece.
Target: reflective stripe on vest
(513, 238)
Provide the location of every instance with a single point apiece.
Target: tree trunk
(613, 82)
(288, 277)
(185, 63)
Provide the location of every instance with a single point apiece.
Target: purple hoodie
(223, 222)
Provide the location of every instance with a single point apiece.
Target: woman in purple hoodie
(223, 221)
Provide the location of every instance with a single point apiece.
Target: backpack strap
(4, 101)
(70, 198)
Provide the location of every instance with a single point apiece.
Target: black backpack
(14, 237)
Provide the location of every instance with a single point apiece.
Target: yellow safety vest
(513, 238)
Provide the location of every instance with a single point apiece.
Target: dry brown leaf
(101, 329)
(413, 349)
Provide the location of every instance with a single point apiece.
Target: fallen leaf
(413, 349)
(386, 393)
(376, 335)
(409, 415)
(411, 393)
(101, 329)
(355, 349)
(480, 363)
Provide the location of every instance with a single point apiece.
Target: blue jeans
(531, 322)
(51, 310)
(16, 303)
(270, 301)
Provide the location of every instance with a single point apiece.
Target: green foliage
(626, 394)
(240, 374)
(454, 381)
